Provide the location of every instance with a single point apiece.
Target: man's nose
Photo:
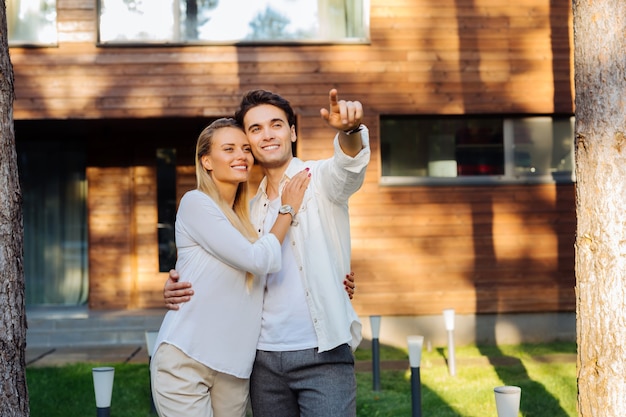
(267, 133)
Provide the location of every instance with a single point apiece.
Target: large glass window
(233, 21)
(31, 22)
(54, 188)
(418, 150)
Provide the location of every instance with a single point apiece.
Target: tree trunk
(13, 389)
(600, 80)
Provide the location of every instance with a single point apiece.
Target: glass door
(52, 176)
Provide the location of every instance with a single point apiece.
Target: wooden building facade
(480, 247)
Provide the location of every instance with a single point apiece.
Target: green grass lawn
(546, 374)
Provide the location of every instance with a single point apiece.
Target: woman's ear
(206, 162)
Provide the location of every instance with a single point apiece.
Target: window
(52, 163)
(229, 21)
(166, 207)
(486, 149)
(32, 22)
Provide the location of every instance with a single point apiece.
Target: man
(304, 364)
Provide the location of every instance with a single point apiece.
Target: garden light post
(375, 324)
(103, 387)
(415, 357)
(507, 400)
(448, 317)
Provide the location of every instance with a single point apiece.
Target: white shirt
(321, 245)
(286, 323)
(219, 327)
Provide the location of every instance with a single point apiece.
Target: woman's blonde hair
(239, 213)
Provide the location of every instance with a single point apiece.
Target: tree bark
(13, 389)
(600, 82)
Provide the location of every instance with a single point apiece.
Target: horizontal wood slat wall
(475, 249)
(416, 250)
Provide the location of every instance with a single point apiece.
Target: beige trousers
(182, 386)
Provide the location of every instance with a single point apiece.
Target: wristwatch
(287, 209)
(355, 130)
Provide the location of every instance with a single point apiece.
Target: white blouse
(219, 327)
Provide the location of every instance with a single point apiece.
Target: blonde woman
(205, 350)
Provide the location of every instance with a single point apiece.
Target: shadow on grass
(512, 371)
(394, 398)
(465, 394)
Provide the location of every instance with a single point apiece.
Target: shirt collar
(295, 165)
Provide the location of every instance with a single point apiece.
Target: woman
(205, 350)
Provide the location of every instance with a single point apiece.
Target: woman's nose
(241, 154)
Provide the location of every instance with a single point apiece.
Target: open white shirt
(321, 247)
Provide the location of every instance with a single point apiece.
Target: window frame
(30, 43)
(364, 40)
(508, 178)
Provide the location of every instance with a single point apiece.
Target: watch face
(285, 209)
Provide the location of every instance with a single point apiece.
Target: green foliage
(546, 373)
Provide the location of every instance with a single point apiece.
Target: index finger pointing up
(334, 102)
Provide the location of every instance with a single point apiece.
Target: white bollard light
(151, 337)
(375, 324)
(415, 350)
(448, 317)
(103, 387)
(507, 400)
(415, 358)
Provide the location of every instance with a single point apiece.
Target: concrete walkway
(58, 336)
(39, 357)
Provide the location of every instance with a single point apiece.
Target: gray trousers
(304, 383)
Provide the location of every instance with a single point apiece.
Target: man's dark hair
(258, 97)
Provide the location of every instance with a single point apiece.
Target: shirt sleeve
(341, 176)
(200, 221)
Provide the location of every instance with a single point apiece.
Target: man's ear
(293, 134)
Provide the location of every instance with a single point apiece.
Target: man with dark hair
(304, 364)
